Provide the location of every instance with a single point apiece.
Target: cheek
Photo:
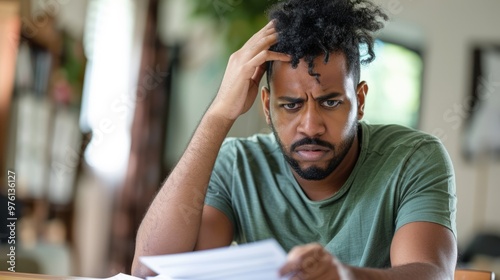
(352, 115)
(285, 125)
(281, 119)
(351, 120)
(341, 122)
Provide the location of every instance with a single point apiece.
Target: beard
(316, 173)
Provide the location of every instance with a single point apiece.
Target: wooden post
(10, 25)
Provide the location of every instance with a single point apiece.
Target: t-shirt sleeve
(219, 187)
(427, 191)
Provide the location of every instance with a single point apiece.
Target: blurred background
(98, 99)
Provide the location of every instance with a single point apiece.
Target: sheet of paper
(258, 260)
(119, 276)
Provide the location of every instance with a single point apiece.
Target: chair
(469, 274)
(487, 244)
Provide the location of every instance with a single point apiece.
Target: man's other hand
(312, 261)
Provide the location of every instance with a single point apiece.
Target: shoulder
(260, 147)
(402, 145)
(258, 143)
(387, 138)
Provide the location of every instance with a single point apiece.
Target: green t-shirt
(401, 176)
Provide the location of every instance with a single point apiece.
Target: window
(108, 100)
(394, 79)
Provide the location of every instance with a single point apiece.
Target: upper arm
(424, 242)
(216, 230)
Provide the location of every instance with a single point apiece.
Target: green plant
(240, 19)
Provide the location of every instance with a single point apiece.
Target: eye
(330, 103)
(291, 106)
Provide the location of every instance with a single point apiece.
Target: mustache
(311, 141)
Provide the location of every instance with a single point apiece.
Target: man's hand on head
(244, 71)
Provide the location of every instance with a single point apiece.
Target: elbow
(140, 270)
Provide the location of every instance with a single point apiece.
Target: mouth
(311, 152)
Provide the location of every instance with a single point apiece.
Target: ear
(361, 92)
(265, 98)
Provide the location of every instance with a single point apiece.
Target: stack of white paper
(258, 260)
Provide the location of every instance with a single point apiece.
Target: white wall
(445, 30)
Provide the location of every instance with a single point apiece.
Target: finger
(305, 260)
(264, 32)
(270, 24)
(268, 55)
(270, 31)
(265, 57)
(316, 266)
(262, 58)
(267, 29)
(258, 74)
(278, 56)
(290, 268)
(262, 43)
(294, 260)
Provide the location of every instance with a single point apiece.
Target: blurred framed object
(482, 127)
(395, 80)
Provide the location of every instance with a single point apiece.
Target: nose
(311, 123)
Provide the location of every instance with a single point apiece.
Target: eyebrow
(328, 96)
(290, 99)
(319, 98)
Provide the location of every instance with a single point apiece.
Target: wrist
(218, 118)
(218, 112)
(347, 272)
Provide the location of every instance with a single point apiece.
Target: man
(348, 200)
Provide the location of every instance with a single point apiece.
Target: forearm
(313, 261)
(414, 271)
(172, 222)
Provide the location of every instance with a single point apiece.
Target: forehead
(333, 74)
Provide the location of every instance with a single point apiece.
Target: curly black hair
(310, 28)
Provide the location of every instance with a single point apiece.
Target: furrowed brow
(290, 99)
(328, 96)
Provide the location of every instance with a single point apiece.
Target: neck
(323, 189)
